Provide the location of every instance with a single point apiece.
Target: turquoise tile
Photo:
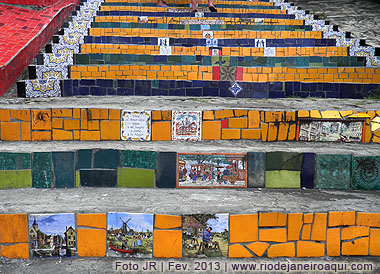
(107, 158)
(366, 172)
(139, 159)
(332, 171)
(84, 159)
(63, 167)
(41, 169)
(14, 161)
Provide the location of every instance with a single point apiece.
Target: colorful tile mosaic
(58, 72)
(43, 88)
(186, 125)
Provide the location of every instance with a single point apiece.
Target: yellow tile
(281, 250)
(333, 242)
(351, 232)
(273, 235)
(294, 226)
(340, 218)
(319, 227)
(16, 251)
(357, 247)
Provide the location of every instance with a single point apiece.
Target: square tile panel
(163, 42)
(165, 50)
(52, 235)
(366, 172)
(143, 19)
(43, 88)
(129, 235)
(227, 74)
(58, 72)
(260, 43)
(186, 125)
(205, 235)
(208, 35)
(270, 52)
(136, 125)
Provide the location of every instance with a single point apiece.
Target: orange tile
(310, 249)
(306, 230)
(167, 221)
(114, 114)
(292, 132)
(83, 119)
(91, 242)
(351, 232)
(10, 131)
(272, 132)
(41, 136)
(273, 235)
(13, 228)
(368, 219)
(339, 218)
(110, 130)
(161, 131)
(211, 130)
(208, 115)
(303, 114)
(156, 115)
(16, 251)
(253, 119)
(272, 219)
(4, 115)
(41, 119)
(240, 112)
(222, 114)
(333, 242)
(76, 113)
(319, 227)
(93, 125)
(374, 242)
(264, 132)
(308, 218)
(89, 135)
(20, 114)
(60, 135)
(167, 244)
(357, 247)
(243, 228)
(57, 123)
(238, 251)
(283, 132)
(230, 134)
(274, 116)
(281, 250)
(97, 114)
(25, 131)
(237, 122)
(166, 115)
(294, 226)
(252, 134)
(97, 220)
(258, 248)
(67, 113)
(71, 124)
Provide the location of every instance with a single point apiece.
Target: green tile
(15, 178)
(77, 178)
(284, 161)
(133, 177)
(41, 169)
(13, 161)
(282, 179)
(332, 171)
(366, 172)
(139, 159)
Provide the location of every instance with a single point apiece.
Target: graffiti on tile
(52, 235)
(136, 125)
(186, 125)
(211, 170)
(331, 131)
(205, 235)
(129, 234)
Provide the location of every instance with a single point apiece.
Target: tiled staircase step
(43, 72)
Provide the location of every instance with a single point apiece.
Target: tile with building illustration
(136, 125)
(52, 235)
(211, 170)
(129, 235)
(205, 235)
(186, 125)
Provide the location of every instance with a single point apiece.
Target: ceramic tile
(63, 169)
(186, 125)
(163, 42)
(52, 235)
(41, 169)
(14, 161)
(42, 88)
(15, 178)
(45, 73)
(284, 161)
(332, 171)
(129, 235)
(270, 52)
(235, 89)
(136, 125)
(260, 43)
(98, 178)
(256, 169)
(143, 19)
(228, 73)
(166, 170)
(84, 159)
(308, 170)
(139, 159)
(212, 170)
(165, 50)
(62, 59)
(208, 34)
(366, 172)
(135, 177)
(282, 179)
(205, 235)
(107, 158)
(65, 49)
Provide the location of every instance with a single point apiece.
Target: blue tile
(193, 91)
(67, 88)
(159, 92)
(111, 91)
(177, 92)
(104, 83)
(97, 91)
(207, 91)
(142, 88)
(307, 171)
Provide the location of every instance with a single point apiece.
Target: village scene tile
(186, 125)
(136, 125)
(205, 235)
(52, 235)
(212, 170)
(129, 235)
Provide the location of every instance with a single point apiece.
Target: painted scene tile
(129, 235)
(136, 125)
(52, 235)
(207, 170)
(186, 125)
(205, 235)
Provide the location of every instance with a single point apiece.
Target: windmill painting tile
(129, 235)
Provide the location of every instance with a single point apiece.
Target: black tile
(98, 178)
(166, 170)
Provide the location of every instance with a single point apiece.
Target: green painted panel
(332, 171)
(41, 169)
(15, 178)
(282, 179)
(14, 161)
(139, 159)
(133, 177)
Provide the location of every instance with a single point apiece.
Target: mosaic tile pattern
(43, 88)
(57, 72)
